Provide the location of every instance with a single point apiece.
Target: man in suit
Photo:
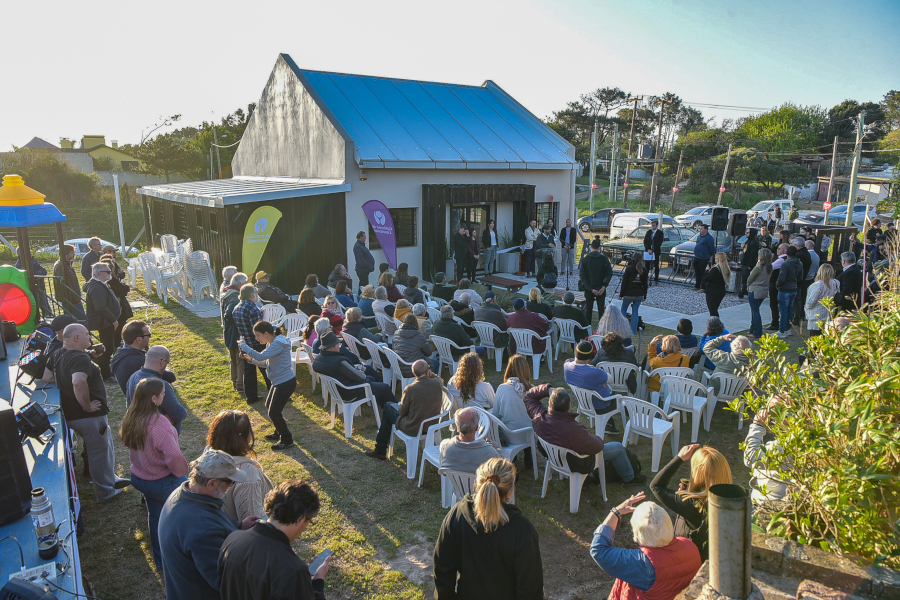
(568, 239)
(461, 250)
(596, 273)
(851, 280)
(653, 241)
(365, 262)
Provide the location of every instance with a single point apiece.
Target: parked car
(623, 224)
(699, 215)
(81, 247)
(724, 243)
(599, 221)
(635, 238)
(768, 206)
(838, 215)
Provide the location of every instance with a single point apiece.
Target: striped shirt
(245, 315)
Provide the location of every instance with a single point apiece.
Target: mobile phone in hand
(314, 566)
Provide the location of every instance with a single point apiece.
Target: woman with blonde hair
(536, 304)
(157, 465)
(614, 321)
(232, 432)
(402, 309)
(715, 283)
(672, 357)
(486, 548)
(660, 567)
(366, 301)
(467, 387)
(708, 468)
(509, 401)
(331, 310)
(825, 286)
(758, 290)
(386, 280)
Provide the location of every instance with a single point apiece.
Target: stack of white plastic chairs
(198, 275)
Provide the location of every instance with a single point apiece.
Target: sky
(115, 68)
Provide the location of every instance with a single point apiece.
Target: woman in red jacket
(331, 310)
(660, 568)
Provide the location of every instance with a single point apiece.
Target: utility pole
(630, 139)
(724, 175)
(834, 157)
(658, 157)
(677, 179)
(614, 172)
(593, 165)
(857, 154)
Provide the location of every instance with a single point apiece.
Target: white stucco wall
(402, 188)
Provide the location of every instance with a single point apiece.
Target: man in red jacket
(560, 427)
(525, 319)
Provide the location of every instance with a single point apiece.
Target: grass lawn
(375, 519)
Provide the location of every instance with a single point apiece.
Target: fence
(100, 221)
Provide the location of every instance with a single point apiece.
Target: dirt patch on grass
(415, 562)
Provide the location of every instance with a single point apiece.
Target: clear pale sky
(113, 68)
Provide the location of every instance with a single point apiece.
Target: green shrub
(835, 426)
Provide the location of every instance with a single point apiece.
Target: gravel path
(667, 296)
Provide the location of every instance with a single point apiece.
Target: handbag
(10, 333)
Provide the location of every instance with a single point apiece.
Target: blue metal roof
(31, 215)
(397, 123)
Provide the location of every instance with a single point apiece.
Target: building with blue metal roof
(436, 154)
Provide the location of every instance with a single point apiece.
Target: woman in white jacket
(764, 483)
(825, 286)
(509, 402)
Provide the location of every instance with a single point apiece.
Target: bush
(836, 434)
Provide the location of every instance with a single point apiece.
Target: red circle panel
(14, 304)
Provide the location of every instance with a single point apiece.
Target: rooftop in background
(415, 124)
(37, 143)
(224, 192)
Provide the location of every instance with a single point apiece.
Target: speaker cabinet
(719, 220)
(15, 482)
(737, 224)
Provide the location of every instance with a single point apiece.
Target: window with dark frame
(213, 222)
(404, 226)
(198, 215)
(179, 218)
(544, 211)
(159, 218)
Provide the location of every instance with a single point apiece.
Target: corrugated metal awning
(240, 190)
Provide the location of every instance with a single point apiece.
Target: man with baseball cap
(579, 372)
(270, 293)
(193, 527)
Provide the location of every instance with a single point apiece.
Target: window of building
(404, 226)
(179, 221)
(544, 211)
(213, 222)
(198, 215)
(159, 218)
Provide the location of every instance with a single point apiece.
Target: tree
(842, 122)
(576, 122)
(62, 185)
(890, 106)
(788, 128)
(167, 154)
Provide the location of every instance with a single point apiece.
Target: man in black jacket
(103, 311)
(567, 310)
(89, 259)
(271, 293)
(568, 239)
(749, 259)
(789, 277)
(365, 262)
(851, 280)
(129, 358)
(446, 327)
(805, 260)
(332, 363)
(461, 250)
(490, 312)
(653, 241)
(259, 563)
(440, 289)
(596, 273)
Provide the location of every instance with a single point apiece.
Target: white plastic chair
(348, 407)
(685, 372)
(585, 398)
(556, 460)
(524, 339)
(439, 301)
(618, 376)
(197, 276)
(688, 396)
(445, 351)
(434, 315)
(386, 325)
(413, 442)
(461, 483)
(168, 243)
(397, 369)
(400, 288)
(149, 271)
(731, 387)
(495, 426)
(486, 338)
(294, 324)
(134, 265)
(374, 351)
(273, 313)
(353, 344)
(170, 274)
(567, 328)
(432, 453)
(650, 421)
(304, 355)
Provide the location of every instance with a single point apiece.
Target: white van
(624, 223)
(768, 206)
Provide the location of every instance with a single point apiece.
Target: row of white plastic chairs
(177, 267)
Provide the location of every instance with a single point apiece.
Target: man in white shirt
(531, 236)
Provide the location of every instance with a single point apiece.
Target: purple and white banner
(383, 226)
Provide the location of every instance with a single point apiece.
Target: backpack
(550, 279)
(34, 352)
(612, 476)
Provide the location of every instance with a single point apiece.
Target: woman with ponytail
(487, 549)
(276, 359)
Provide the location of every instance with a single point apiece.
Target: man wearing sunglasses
(103, 310)
(129, 358)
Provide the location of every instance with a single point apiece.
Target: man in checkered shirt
(246, 314)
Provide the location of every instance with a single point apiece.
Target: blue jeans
(786, 308)
(156, 493)
(490, 259)
(635, 302)
(613, 452)
(755, 318)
